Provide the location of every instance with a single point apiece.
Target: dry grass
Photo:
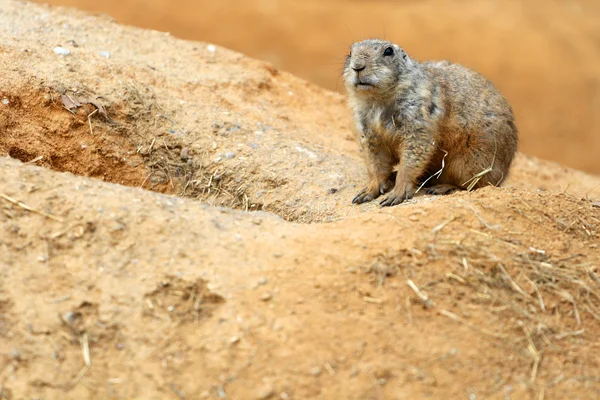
(529, 300)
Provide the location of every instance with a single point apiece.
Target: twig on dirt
(493, 237)
(89, 117)
(457, 318)
(437, 173)
(329, 369)
(567, 296)
(69, 110)
(372, 300)
(147, 177)
(38, 158)
(465, 264)
(426, 301)
(514, 284)
(569, 334)
(442, 225)
(151, 145)
(60, 299)
(30, 209)
(537, 357)
(85, 349)
(591, 190)
(483, 221)
(537, 292)
(458, 278)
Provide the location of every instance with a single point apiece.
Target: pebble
(5, 101)
(266, 296)
(277, 325)
(70, 317)
(262, 280)
(185, 154)
(229, 155)
(104, 54)
(16, 354)
(61, 51)
(211, 48)
(316, 371)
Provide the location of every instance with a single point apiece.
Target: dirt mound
(543, 54)
(110, 290)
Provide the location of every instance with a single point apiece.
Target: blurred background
(544, 55)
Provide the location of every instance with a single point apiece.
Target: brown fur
(412, 117)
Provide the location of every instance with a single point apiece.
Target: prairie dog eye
(388, 51)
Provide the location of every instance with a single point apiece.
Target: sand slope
(221, 257)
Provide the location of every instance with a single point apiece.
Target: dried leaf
(70, 102)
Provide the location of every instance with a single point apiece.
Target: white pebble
(211, 48)
(5, 101)
(61, 51)
(104, 54)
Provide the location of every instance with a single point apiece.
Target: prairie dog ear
(407, 59)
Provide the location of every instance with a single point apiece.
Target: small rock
(262, 281)
(61, 51)
(234, 340)
(229, 155)
(266, 296)
(104, 54)
(316, 371)
(211, 48)
(70, 317)
(277, 325)
(185, 154)
(5, 101)
(284, 395)
(16, 354)
(332, 190)
(596, 204)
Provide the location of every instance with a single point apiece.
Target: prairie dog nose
(358, 66)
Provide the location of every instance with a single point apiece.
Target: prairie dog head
(374, 68)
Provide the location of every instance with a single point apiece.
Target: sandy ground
(176, 223)
(543, 54)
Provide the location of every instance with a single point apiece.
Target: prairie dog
(420, 118)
